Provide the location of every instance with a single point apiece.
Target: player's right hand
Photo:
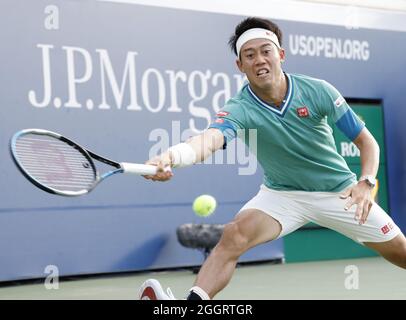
(163, 162)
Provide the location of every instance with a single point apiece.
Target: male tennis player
(305, 178)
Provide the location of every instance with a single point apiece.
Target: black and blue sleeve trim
(227, 128)
(350, 125)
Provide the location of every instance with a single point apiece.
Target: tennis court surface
(377, 279)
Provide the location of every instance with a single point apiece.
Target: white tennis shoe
(152, 290)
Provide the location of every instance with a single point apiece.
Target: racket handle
(141, 169)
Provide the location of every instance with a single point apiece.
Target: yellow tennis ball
(204, 205)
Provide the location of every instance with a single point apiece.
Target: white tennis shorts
(293, 209)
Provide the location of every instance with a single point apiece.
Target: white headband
(256, 33)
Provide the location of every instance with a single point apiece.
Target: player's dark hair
(250, 23)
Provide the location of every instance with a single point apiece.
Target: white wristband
(183, 155)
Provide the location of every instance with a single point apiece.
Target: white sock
(200, 292)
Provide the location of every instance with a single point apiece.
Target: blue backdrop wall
(129, 80)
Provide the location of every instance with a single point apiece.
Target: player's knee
(402, 256)
(398, 256)
(233, 242)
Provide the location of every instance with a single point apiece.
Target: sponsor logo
(118, 83)
(222, 114)
(329, 47)
(385, 229)
(302, 112)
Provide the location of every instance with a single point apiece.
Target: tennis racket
(60, 166)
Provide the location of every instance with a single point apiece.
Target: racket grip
(141, 169)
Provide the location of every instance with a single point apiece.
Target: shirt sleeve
(228, 121)
(335, 107)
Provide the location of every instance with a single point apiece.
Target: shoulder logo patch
(339, 101)
(222, 114)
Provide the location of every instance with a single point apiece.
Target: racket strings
(55, 163)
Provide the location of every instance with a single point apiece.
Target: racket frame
(86, 153)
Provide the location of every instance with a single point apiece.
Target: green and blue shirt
(295, 144)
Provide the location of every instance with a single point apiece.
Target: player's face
(260, 60)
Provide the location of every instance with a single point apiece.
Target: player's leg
(267, 216)
(393, 250)
(250, 228)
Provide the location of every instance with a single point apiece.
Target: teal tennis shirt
(295, 144)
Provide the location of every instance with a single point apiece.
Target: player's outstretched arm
(361, 193)
(195, 149)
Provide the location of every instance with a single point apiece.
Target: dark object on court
(203, 237)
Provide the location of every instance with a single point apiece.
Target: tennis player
(305, 179)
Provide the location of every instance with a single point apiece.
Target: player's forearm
(369, 159)
(369, 152)
(205, 144)
(195, 149)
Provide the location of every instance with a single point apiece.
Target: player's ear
(239, 65)
(282, 54)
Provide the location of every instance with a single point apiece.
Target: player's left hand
(360, 195)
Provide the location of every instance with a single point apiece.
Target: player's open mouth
(262, 72)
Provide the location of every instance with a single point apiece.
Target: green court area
(377, 279)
